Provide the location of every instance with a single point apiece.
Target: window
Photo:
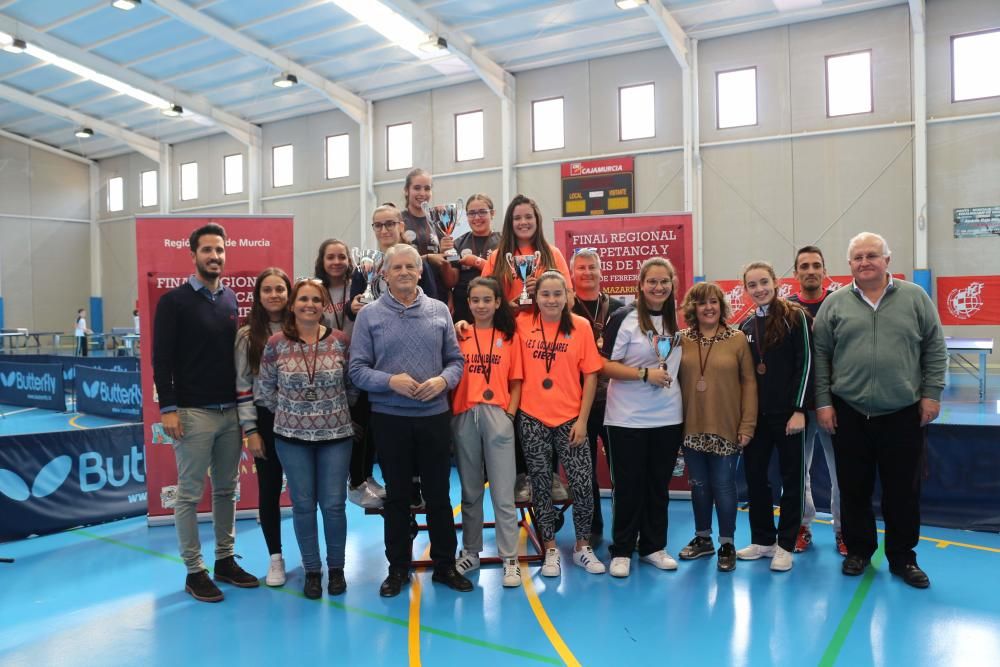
(189, 181)
(281, 166)
(148, 188)
(736, 98)
(469, 136)
(974, 71)
(547, 124)
(116, 194)
(232, 174)
(338, 156)
(636, 112)
(849, 84)
(399, 146)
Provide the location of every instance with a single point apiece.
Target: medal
(761, 368)
(488, 371)
(547, 383)
(549, 354)
(703, 363)
(310, 394)
(701, 385)
(488, 395)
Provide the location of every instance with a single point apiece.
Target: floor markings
(832, 651)
(413, 629)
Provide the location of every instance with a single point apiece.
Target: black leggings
(363, 447)
(269, 473)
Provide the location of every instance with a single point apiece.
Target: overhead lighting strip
(393, 26)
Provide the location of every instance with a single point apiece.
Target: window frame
(121, 190)
(871, 81)
(388, 144)
(156, 188)
(291, 181)
(620, 125)
(482, 114)
(951, 56)
(326, 156)
(756, 99)
(225, 180)
(180, 184)
(553, 148)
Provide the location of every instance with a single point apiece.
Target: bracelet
(643, 374)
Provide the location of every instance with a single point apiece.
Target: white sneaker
(560, 493)
(467, 561)
(782, 560)
(276, 571)
(587, 559)
(511, 573)
(376, 488)
(362, 496)
(522, 489)
(755, 551)
(551, 566)
(660, 559)
(620, 566)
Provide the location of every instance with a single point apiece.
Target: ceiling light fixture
(391, 25)
(125, 5)
(15, 45)
(793, 5)
(285, 80)
(84, 133)
(173, 110)
(629, 4)
(435, 45)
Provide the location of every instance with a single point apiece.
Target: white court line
(16, 412)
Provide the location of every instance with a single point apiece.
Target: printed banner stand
(164, 262)
(35, 385)
(114, 394)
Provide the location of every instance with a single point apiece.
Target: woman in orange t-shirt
(522, 235)
(484, 404)
(557, 348)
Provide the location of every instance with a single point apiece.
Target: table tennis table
(959, 351)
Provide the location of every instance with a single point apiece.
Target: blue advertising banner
(115, 394)
(32, 385)
(54, 481)
(69, 364)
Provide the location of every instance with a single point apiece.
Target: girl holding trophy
(643, 417)
(419, 233)
(334, 268)
(522, 253)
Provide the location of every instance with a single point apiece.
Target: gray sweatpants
(484, 433)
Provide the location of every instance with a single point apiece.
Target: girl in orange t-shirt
(557, 348)
(522, 235)
(484, 404)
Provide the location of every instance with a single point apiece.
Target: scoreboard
(598, 187)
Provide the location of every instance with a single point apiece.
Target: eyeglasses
(870, 257)
(379, 226)
(479, 212)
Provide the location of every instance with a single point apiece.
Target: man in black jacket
(194, 370)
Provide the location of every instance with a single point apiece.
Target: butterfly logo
(47, 481)
(8, 378)
(91, 388)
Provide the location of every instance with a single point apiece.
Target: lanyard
(489, 350)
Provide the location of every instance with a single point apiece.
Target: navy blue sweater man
(194, 370)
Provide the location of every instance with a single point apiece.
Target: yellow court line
(536, 606)
(72, 422)
(413, 630)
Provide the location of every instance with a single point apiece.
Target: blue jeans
(713, 482)
(317, 475)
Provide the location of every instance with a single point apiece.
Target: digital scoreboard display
(598, 187)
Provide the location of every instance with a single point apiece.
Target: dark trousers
(770, 436)
(595, 428)
(892, 445)
(81, 346)
(269, 474)
(405, 445)
(642, 465)
(362, 447)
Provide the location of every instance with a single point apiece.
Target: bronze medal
(761, 368)
(701, 385)
(547, 383)
(488, 395)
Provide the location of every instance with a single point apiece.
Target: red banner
(164, 262)
(618, 165)
(969, 299)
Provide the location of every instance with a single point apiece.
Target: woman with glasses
(418, 232)
(643, 417)
(267, 314)
(719, 395)
(473, 248)
(303, 380)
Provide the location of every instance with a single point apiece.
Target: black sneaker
(337, 584)
(201, 588)
(228, 572)
(727, 558)
(698, 547)
(313, 588)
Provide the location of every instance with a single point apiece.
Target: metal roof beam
(671, 31)
(351, 104)
(45, 147)
(233, 125)
(142, 144)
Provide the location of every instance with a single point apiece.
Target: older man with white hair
(880, 363)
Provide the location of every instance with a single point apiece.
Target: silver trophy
(367, 262)
(443, 219)
(662, 345)
(524, 266)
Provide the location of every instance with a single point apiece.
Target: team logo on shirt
(964, 303)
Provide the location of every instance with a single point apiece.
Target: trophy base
(522, 303)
